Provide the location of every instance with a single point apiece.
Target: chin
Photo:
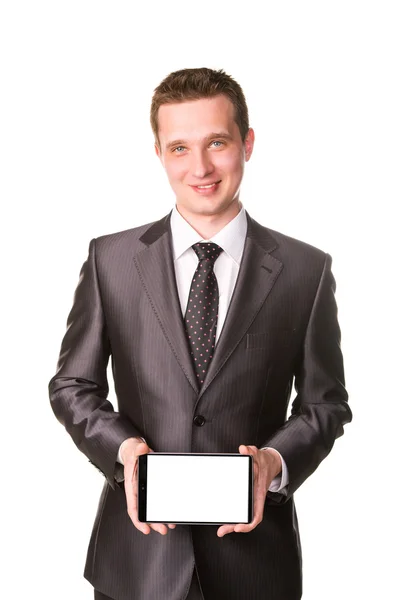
(210, 207)
(206, 205)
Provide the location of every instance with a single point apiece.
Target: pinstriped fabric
(193, 594)
(281, 327)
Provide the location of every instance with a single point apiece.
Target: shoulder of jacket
(292, 247)
(119, 239)
(286, 245)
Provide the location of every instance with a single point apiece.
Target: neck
(209, 225)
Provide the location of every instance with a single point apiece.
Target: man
(270, 320)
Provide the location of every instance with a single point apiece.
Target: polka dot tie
(202, 308)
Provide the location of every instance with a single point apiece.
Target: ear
(249, 144)
(158, 151)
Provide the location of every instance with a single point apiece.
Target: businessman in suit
(209, 318)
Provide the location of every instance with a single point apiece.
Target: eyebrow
(216, 134)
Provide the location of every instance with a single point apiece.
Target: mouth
(206, 188)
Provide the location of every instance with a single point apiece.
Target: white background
(77, 161)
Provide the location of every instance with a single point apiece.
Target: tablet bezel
(142, 486)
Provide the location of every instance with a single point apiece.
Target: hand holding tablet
(131, 449)
(267, 465)
(231, 497)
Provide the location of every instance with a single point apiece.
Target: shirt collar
(231, 238)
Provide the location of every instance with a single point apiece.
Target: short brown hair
(194, 84)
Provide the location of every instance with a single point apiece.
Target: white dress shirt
(231, 239)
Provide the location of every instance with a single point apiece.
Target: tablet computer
(195, 489)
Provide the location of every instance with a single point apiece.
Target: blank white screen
(194, 488)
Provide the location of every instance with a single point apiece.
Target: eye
(178, 149)
(217, 142)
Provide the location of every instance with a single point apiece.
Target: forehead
(196, 118)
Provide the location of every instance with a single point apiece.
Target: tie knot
(207, 251)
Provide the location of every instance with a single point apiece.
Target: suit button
(199, 420)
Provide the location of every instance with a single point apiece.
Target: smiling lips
(206, 188)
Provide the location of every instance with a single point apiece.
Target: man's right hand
(130, 450)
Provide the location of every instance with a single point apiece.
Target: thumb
(142, 448)
(244, 449)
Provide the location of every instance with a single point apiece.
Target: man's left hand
(267, 465)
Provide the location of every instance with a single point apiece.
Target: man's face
(203, 153)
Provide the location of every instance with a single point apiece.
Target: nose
(201, 164)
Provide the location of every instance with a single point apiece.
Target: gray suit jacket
(281, 328)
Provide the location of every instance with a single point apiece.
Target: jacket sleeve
(78, 391)
(320, 408)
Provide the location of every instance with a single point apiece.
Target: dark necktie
(202, 308)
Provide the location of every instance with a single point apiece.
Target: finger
(257, 518)
(159, 527)
(132, 495)
(131, 501)
(224, 529)
(260, 493)
(254, 452)
(246, 527)
(259, 498)
(243, 449)
(130, 483)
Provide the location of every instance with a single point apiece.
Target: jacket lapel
(257, 275)
(157, 274)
